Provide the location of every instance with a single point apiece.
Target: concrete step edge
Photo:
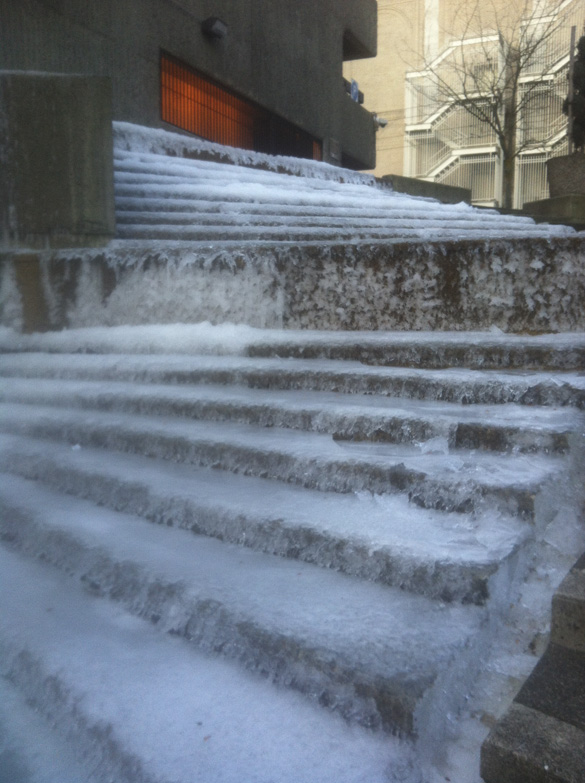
(454, 565)
(343, 418)
(449, 482)
(470, 387)
(382, 693)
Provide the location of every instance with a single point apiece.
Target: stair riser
(433, 357)
(470, 392)
(247, 218)
(343, 427)
(324, 475)
(269, 235)
(465, 583)
(326, 677)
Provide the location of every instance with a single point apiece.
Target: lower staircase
(292, 557)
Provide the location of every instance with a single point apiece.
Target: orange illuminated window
(194, 103)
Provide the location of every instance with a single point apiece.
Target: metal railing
(452, 130)
(478, 173)
(555, 33)
(531, 176)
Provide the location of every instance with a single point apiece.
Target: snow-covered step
(159, 173)
(382, 539)
(220, 217)
(168, 713)
(268, 235)
(157, 184)
(544, 353)
(458, 480)
(356, 650)
(432, 350)
(481, 387)
(346, 211)
(346, 417)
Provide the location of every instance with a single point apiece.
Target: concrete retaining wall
(56, 158)
(518, 286)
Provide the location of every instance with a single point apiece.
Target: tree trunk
(509, 176)
(508, 138)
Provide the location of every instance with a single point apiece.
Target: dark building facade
(260, 74)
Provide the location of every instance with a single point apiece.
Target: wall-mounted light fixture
(214, 27)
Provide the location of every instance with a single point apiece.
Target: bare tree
(499, 72)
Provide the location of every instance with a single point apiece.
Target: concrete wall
(285, 55)
(527, 285)
(448, 194)
(401, 25)
(57, 167)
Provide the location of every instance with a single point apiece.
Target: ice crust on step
(453, 384)
(134, 138)
(521, 563)
(203, 721)
(382, 538)
(346, 416)
(311, 459)
(376, 620)
(238, 339)
(153, 182)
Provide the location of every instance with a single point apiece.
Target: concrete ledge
(448, 194)
(57, 159)
(541, 739)
(569, 210)
(528, 746)
(523, 286)
(568, 618)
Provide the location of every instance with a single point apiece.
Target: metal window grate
(197, 104)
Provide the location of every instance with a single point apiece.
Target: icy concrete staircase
(165, 198)
(348, 531)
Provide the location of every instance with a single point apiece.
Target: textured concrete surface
(448, 194)
(569, 210)
(541, 739)
(56, 148)
(528, 746)
(568, 621)
(285, 56)
(524, 285)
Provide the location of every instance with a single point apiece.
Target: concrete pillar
(56, 161)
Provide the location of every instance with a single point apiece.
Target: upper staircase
(261, 561)
(179, 198)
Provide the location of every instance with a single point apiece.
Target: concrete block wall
(286, 56)
(57, 161)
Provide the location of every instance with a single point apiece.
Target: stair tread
(329, 410)
(178, 177)
(267, 234)
(302, 448)
(497, 385)
(375, 618)
(255, 608)
(273, 219)
(373, 522)
(205, 719)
